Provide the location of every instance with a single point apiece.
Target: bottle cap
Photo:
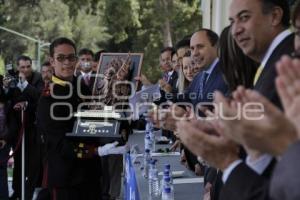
(167, 166)
(167, 190)
(167, 179)
(153, 161)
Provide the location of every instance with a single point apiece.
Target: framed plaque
(112, 63)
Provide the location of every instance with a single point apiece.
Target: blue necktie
(203, 79)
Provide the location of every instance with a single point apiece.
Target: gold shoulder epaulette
(58, 81)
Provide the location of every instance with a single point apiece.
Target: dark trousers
(84, 191)
(3, 173)
(115, 163)
(105, 180)
(17, 176)
(32, 165)
(112, 167)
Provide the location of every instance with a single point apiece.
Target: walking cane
(23, 155)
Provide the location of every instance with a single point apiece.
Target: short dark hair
(184, 42)
(211, 35)
(296, 12)
(187, 54)
(60, 41)
(171, 49)
(268, 5)
(47, 63)
(173, 53)
(23, 57)
(85, 51)
(98, 55)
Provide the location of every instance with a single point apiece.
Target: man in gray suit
(286, 178)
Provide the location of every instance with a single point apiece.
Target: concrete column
(206, 13)
(220, 10)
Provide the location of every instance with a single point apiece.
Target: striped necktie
(203, 79)
(166, 76)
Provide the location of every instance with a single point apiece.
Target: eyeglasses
(62, 58)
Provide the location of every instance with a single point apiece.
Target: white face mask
(86, 65)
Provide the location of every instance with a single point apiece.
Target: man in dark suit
(282, 141)
(86, 65)
(203, 46)
(34, 78)
(182, 47)
(169, 77)
(167, 83)
(24, 96)
(274, 42)
(265, 43)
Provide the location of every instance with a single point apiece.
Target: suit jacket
(14, 96)
(88, 88)
(36, 81)
(286, 179)
(266, 82)
(215, 82)
(63, 169)
(256, 186)
(165, 96)
(169, 96)
(173, 81)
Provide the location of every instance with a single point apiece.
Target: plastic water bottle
(168, 169)
(147, 159)
(149, 126)
(167, 194)
(148, 142)
(165, 178)
(150, 177)
(167, 181)
(153, 181)
(149, 131)
(152, 138)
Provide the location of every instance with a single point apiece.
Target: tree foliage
(114, 25)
